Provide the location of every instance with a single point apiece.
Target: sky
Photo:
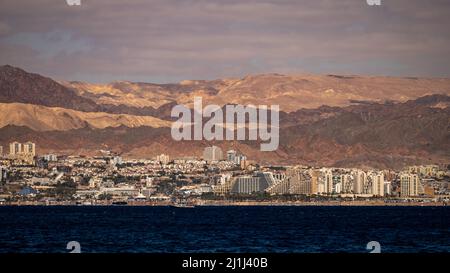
(165, 41)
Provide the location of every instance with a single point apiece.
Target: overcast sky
(172, 40)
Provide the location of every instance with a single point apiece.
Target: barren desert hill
(291, 92)
(325, 120)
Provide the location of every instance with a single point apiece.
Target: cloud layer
(168, 40)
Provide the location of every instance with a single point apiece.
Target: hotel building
(409, 185)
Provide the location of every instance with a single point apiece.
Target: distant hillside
(291, 92)
(365, 135)
(326, 120)
(41, 118)
(17, 85)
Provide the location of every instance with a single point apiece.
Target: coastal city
(218, 178)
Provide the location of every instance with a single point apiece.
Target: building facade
(377, 184)
(409, 185)
(163, 158)
(212, 153)
(22, 153)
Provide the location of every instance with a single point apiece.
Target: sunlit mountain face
(334, 120)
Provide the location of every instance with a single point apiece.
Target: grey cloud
(170, 40)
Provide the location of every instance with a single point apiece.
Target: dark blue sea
(278, 229)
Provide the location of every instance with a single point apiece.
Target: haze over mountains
(328, 120)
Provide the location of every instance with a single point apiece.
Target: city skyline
(212, 134)
(93, 178)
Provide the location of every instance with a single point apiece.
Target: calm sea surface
(224, 229)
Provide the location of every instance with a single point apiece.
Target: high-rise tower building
(409, 185)
(15, 148)
(29, 149)
(212, 153)
(377, 184)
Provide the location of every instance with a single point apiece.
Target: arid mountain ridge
(291, 92)
(331, 120)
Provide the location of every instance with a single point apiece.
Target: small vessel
(182, 205)
(140, 197)
(121, 203)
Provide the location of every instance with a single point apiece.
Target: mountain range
(325, 120)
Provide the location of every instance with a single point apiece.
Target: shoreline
(231, 204)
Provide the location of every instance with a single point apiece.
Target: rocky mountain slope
(291, 92)
(364, 121)
(41, 118)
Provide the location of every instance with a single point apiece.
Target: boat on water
(85, 203)
(140, 197)
(182, 202)
(182, 206)
(120, 203)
